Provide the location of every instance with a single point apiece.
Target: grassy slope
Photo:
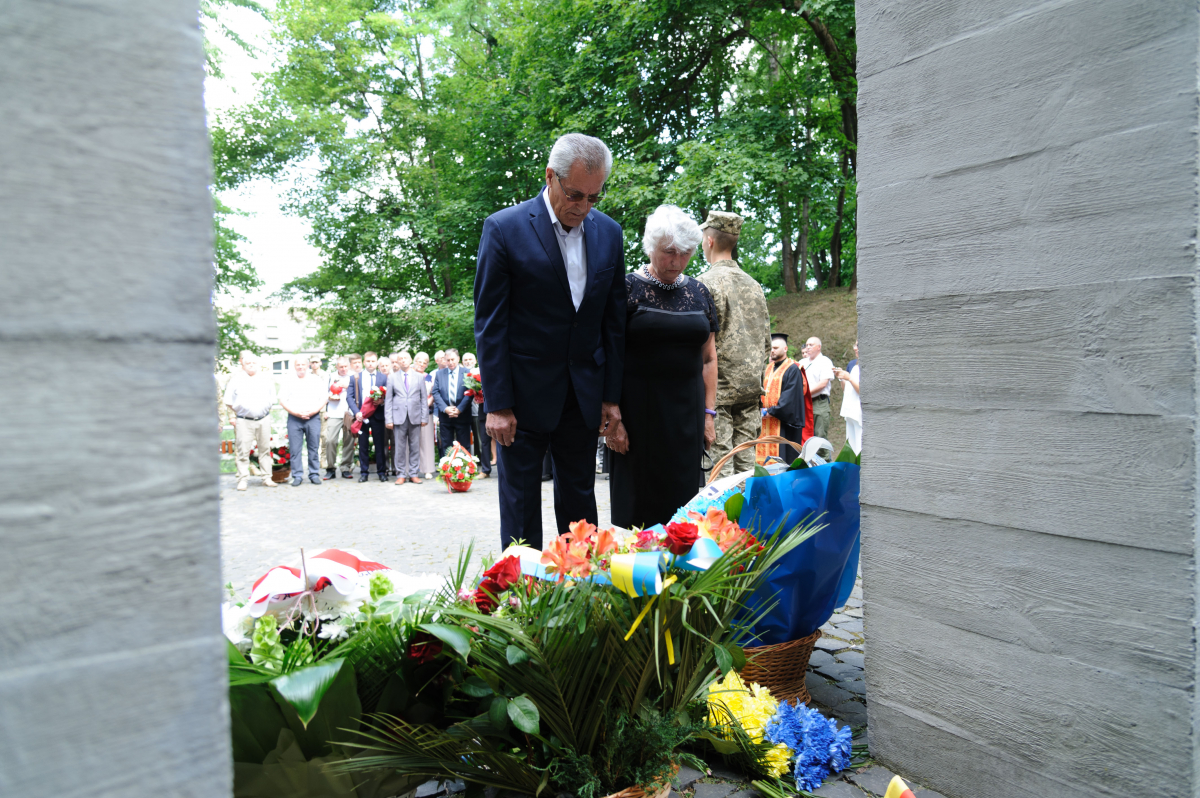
(829, 314)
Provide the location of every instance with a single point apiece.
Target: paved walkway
(410, 528)
(420, 529)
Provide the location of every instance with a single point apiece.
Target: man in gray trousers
(405, 411)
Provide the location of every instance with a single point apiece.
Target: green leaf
(733, 506)
(798, 464)
(759, 471)
(846, 455)
(737, 654)
(476, 687)
(305, 688)
(498, 713)
(726, 747)
(516, 655)
(724, 659)
(524, 714)
(452, 636)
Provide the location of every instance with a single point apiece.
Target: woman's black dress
(662, 400)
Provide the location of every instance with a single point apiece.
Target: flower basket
(457, 487)
(781, 667)
(458, 468)
(640, 792)
(281, 474)
(717, 466)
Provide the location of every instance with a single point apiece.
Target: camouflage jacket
(744, 342)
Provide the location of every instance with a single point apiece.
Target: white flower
(333, 631)
(236, 623)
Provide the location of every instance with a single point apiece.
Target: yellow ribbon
(670, 648)
(670, 580)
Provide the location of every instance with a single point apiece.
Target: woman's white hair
(670, 226)
(577, 147)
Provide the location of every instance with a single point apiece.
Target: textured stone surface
(115, 685)
(686, 777)
(1027, 195)
(839, 789)
(874, 779)
(854, 658)
(820, 658)
(714, 790)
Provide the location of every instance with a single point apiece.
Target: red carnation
(423, 647)
(681, 538)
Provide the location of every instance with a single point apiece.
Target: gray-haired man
(250, 395)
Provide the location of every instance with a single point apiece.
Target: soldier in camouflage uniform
(743, 344)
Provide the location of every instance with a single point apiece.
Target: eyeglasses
(578, 196)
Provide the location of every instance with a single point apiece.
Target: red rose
(680, 538)
(504, 573)
(423, 647)
(485, 596)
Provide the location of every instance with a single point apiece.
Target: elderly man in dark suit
(373, 425)
(550, 331)
(452, 403)
(405, 411)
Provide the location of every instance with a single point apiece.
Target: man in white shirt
(250, 395)
(819, 370)
(335, 428)
(303, 397)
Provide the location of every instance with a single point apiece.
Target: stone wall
(1027, 311)
(112, 664)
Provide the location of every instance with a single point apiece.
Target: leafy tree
(402, 124)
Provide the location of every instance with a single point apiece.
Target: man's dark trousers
(483, 443)
(572, 444)
(378, 434)
(454, 429)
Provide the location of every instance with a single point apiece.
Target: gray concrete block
(838, 789)
(686, 777)
(874, 779)
(704, 790)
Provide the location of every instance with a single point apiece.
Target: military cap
(726, 222)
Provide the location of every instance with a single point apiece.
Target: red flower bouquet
(473, 383)
(373, 402)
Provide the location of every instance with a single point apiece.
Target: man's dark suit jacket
(530, 338)
(356, 394)
(442, 398)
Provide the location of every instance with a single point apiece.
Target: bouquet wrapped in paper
(373, 402)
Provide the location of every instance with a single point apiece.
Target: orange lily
(567, 557)
(581, 530)
(605, 542)
(716, 525)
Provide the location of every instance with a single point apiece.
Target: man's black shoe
(383, 478)
(297, 481)
(330, 473)
(314, 479)
(363, 478)
(347, 475)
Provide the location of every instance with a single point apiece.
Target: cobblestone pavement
(411, 528)
(420, 528)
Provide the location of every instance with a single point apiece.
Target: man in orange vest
(787, 406)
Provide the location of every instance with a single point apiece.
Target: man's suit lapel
(592, 246)
(540, 219)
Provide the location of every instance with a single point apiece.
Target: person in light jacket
(405, 412)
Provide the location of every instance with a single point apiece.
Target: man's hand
(389, 425)
(610, 416)
(358, 416)
(710, 431)
(502, 426)
(617, 439)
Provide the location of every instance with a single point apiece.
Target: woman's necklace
(664, 286)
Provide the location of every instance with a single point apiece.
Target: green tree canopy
(402, 125)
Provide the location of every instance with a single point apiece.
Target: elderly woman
(670, 379)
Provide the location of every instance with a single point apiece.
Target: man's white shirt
(339, 407)
(819, 369)
(570, 244)
(250, 396)
(303, 393)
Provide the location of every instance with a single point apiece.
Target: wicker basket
(717, 466)
(281, 474)
(457, 487)
(781, 667)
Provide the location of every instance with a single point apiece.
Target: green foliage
(402, 125)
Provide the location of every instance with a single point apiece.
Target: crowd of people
(412, 418)
(670, 371)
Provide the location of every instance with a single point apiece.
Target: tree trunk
(835, 241)
(788, 255)
(818, 267)
(802, 249)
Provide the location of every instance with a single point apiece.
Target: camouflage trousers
(736, 424)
